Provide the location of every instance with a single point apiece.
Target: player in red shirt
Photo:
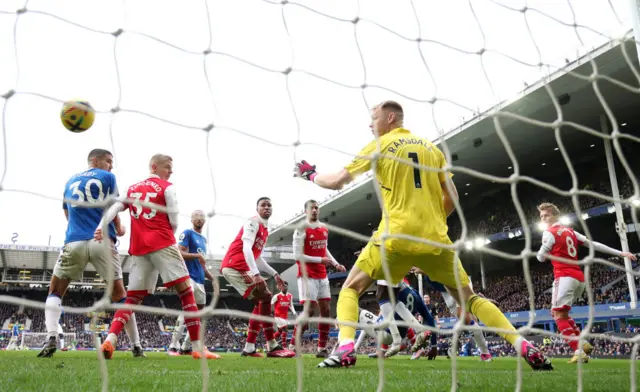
(311, 253)
(282, 303)
(154, 251)
(559, 241)
(241, 267)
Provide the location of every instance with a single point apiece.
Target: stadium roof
(534, 146)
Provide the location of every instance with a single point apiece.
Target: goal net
(517, 94)
(36, 340)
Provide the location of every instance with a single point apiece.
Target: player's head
(263, 207)
(161, 165)
(198, 218)
(312, 209)
(549, 213)
(285, 288)
(427, 299)
(385, 117)
(100, 159)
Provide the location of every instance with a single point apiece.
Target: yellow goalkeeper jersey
(412, 197)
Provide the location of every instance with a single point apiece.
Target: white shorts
(385, 283)
(280, 322)
(166, 262)
(199, 293)
(314, 290)
(241, 281)
(565, 291)
(59, 329)
(75, 255)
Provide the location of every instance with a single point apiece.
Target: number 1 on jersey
(417, 181)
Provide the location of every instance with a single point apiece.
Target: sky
(169, 91)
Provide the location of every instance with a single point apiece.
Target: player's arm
(108, 216)
(249, 232)
(334, 262)
(274, 299)
(120, 230)
(298, 249)
(183, 245)
(292, 308)
(584, 241)
(360, 164)
(207, 274)
(547, 244)
(449, 190)
(172, 206)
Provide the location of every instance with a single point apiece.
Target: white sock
(406, 315)
(131, 328)
(112, 338)
(177, 333)
(272, 344)
(186, 343)
(52, 316)
(249, 347)
(197, 345)
(388, 315)
(61, 343)
(481, 342)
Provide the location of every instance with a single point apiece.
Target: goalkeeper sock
(388, 314)
(347, 310)
(192, 323)
(131, 327)
(51, 316)
(478, 337)
(565, 328)
(491, 316)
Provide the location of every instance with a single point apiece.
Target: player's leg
(388, 313)
(307, 293)
(440, 268)
(324, 307)
(178, 332)
(261, 298)
(421, 308)
(106, 260)
(201, 300)
(367, 268)
(565, 290)
(173, 271)
(69, 266)
(142, 282)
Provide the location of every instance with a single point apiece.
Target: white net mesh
(355, 47)
(35, 340)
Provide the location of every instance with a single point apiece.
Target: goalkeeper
(416, 203)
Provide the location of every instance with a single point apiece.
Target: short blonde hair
(394, 107)
(555, 211)
(159, 158)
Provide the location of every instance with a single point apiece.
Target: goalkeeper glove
(305, 170)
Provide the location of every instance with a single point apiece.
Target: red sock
(323, 335)
(189, 305)
(254, 327)
(295, 331)
(384, 346)
(574, 326)
(411, 335)
(276, 336)
(267, 326)
(121, 318)
(565, 328)
(283, 334)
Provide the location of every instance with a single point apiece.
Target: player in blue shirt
(193, 248)
(454, 309)
(13, 340)
(91, 186)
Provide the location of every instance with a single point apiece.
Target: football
(77, 116)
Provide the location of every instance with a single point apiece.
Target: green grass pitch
(79, 371)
